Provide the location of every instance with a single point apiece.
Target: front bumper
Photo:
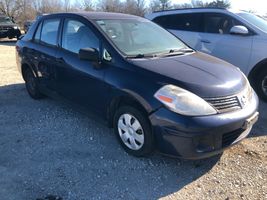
(11, 33)
(201, 137)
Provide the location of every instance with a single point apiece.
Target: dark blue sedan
(154, 90)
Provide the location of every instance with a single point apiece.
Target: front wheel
(261, 85)
(133, 131)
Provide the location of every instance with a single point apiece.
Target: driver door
(78, 80)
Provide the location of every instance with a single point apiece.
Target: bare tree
(67, 5)
(9, 8)
(198, 3)
(135, 7)
(110, 5)
(220, 4)
(48, 6)
(184, 5)
(159, 5)
(215, 4)
(25, 11)
(86, 5)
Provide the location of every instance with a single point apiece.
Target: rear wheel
(133, 131)
(32, 85)
(261, 84)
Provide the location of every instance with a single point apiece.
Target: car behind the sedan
(154, 90)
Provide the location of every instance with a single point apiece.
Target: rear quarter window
(37, 35)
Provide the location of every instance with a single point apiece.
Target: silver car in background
(237, 37)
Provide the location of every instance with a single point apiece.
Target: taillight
(17, 48)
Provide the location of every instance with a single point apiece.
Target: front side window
(219, 23)
(77, 35)
(50, 31)
(139, 36)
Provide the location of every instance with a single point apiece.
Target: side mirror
(89, 54)
(239, 30)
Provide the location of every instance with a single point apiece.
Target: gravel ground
(48, 149)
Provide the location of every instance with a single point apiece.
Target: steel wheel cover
(131, 132)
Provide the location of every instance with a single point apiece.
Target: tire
(260, 82)
(31, 84)
(133, 132)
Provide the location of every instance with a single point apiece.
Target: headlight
(183, 102)
(15, 27)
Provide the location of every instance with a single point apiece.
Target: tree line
(22, 10)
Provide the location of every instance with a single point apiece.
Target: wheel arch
(256, 70)
(125, 100)
(24, 67)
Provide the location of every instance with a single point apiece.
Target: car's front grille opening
(5, 28)
(229, 138)
(224, 104)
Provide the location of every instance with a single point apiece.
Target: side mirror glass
(239, 30)
(89, 54)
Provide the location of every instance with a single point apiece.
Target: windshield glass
(5, 20)
(255, 20)
(139, 37)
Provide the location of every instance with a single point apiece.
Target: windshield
(139, 37)
(5, 20)
(255, 20)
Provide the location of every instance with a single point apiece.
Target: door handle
(206, 41)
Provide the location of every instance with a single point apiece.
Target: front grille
(229, 138)
(225, 104)
(5, 28)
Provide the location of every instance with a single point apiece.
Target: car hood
(7, 25)
(199, 73)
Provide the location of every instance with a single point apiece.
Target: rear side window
(184, 22)
(77, 35)
(50, 31)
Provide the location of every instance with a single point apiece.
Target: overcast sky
(259, 6)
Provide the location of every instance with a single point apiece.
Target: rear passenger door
(217, 40)
(186, 26)
(42, 51)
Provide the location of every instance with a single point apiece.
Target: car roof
(97, 15)
(200, 8)
(185, 11)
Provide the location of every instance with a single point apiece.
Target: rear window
(5, 20)
(50, 31)
(185, 22)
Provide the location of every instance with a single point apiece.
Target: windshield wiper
(175, 52)
(172, 52)
(141, 56)
(183, 50)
